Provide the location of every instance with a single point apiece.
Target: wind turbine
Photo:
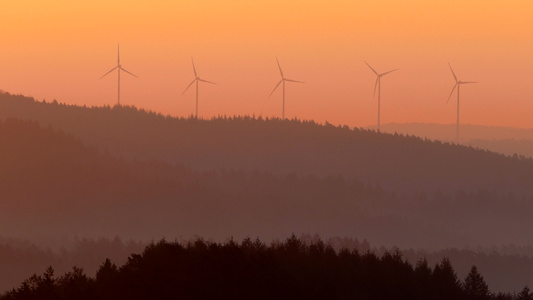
(283, 80)
(378, 86)
(458, 86)
(196, 79)
(119, 68)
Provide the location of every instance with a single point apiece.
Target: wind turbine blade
(188, 86)
(118, 54)
(109, 72)
(206, 81)
(375, 87)
(455, 77)
(294, 81)
(382, 74)
(128, 72)
(275, 87)
(371, 68)
(193, 67)
(280, 71)
(467, 82)
(451, 93)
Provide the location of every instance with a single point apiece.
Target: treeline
(252, 269)
(396, 162)
(19, 259)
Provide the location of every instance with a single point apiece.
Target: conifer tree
(446, 284)
(525, 294)
(475, 286)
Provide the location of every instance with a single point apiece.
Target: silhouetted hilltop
(403, 164)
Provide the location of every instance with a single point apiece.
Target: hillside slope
(52, 186)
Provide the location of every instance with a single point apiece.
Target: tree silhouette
(525, 294)
(446, 283)
(475, 285)
(422, 275)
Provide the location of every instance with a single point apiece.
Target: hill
(403, 164)
(53, 186)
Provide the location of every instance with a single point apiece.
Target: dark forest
(287, 270)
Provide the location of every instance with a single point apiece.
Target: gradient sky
(59, 50)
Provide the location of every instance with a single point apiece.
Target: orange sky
(59, 49)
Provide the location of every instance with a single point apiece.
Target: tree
(445, 282)
(107, 271)
(37, 287)
(475, 286)
(422, 275)
(74, 285)
(525, 294)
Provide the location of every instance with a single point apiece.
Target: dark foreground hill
(288, 270)
(20, 259)
(397, 163)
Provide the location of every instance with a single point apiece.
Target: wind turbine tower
(377, 86)
(458, 86)
(196, 79)
(283, 80)
(119, 68)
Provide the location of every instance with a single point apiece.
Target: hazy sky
(59, 49)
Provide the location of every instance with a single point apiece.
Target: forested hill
(397, 163)
(53, 186)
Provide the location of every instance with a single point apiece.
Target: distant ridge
(506, 140)
(446, 132)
